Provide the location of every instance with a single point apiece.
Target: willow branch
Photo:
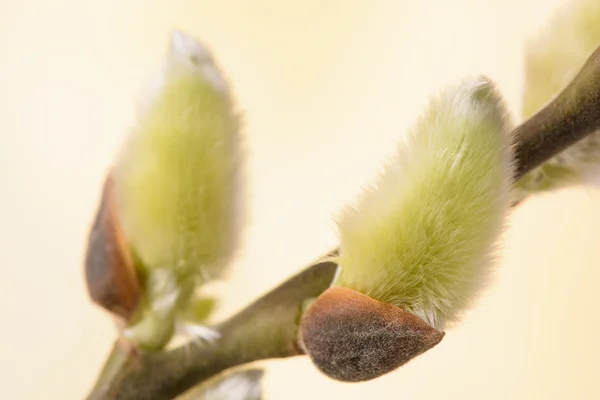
(571, 116)
(265, 329)
(268, 328)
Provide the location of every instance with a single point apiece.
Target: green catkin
(177, 186)
(422, 235)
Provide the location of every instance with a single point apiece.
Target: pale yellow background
(327, 88)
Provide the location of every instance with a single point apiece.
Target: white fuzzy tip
(186, 50)
(239, 386)
(183, 45)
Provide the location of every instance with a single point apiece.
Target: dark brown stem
(571, 116)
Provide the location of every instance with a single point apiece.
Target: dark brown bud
(110, 273)
(352, 337)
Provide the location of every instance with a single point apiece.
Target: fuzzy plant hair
(177, 186)
(422, 236)
(553, 58)
(241, 385)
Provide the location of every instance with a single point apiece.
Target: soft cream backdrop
(327, 87)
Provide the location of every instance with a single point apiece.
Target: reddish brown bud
(110, 274)
(352, 337)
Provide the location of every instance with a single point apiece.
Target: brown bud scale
(352, 337)
(110, 274)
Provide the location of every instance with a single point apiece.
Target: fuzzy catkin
(178, 188)
(422, 235)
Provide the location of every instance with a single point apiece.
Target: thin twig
(265, 329)
(572, 115)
